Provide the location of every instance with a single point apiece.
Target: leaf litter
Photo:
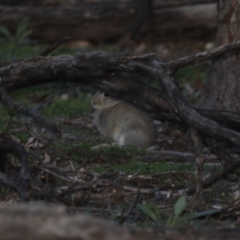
(124, 184)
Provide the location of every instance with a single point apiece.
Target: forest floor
(127, 185)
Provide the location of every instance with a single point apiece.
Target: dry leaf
(46, 158)
(29, 143)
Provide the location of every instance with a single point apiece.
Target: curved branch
(9, 146)
(96, 69)
(37, 117)
(202, 56)
(208, 127)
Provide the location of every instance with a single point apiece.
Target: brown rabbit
(122, 123)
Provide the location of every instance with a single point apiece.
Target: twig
(6, 128)
(202, 56)
(221, 174)
(52, 127)
(109, 207)
(53, 46)
(10, 146)
(75, 187)
(215, 177)
(222, 154)
(18, 185)
(55, 173)
(167, 155)
(226, 118)
(125, 217)
(199, 158)
(141, 190)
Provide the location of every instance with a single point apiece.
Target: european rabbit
(122, 123)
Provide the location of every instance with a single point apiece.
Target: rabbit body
(122, 123)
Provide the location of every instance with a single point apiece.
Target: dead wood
(8, 146)
(55, 45)
(39, 221)
(106, 20)
(217, 176)
(199, 158)
(163, 72)
(96, 69)
(183, 109)
(14, 105)
(166, 155)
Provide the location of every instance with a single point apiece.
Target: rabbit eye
(106, 95)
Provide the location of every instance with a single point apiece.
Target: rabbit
(122, 123)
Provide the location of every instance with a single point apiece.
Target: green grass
(135, 166)
(10, 52)
(75, 105)
(195, 77)
(125, 160)
(192, 73)
(71, 107)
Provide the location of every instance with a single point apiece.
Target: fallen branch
(95, 69)
(163, 72)
(199, 158)
(217, 176)
(9, 146)
(43, 121)
(183, 109)
(202, 56)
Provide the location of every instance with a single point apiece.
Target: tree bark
(223, 79)
(99, 21)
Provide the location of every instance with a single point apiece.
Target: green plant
(179, 207)
(20, 36)
(152, 211)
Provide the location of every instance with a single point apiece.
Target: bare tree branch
(37, 117)
(202, 56)
(55, 45)
(9, 146)
(199, 158)
(208, 127)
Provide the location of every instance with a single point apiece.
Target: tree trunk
(223, 79)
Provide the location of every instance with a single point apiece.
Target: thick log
(98, 21)
(49, 222)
